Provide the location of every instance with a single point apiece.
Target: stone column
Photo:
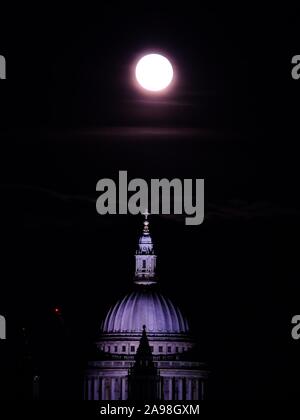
(197, 389)
(180, 386)
(103, 389)
(184, 380)
(189, 389)
(165, 395)
(202, 390)
(123, 394)
(170, 389)
(96, 389)
(112, 389)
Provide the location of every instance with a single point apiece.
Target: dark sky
(70, 116)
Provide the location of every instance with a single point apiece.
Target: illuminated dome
(145, 307)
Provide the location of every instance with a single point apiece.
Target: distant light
(57, 311)
(154, 72)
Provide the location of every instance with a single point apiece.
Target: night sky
(69, 116)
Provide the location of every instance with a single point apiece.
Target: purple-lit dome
(145, 307)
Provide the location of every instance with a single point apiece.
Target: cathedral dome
(145, 307)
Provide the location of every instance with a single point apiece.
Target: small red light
(57, 310)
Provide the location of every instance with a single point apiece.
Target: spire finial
(146, 223)
(146, 214)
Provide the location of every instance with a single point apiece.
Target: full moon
(154, 72)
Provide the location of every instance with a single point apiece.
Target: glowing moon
(154, 72)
